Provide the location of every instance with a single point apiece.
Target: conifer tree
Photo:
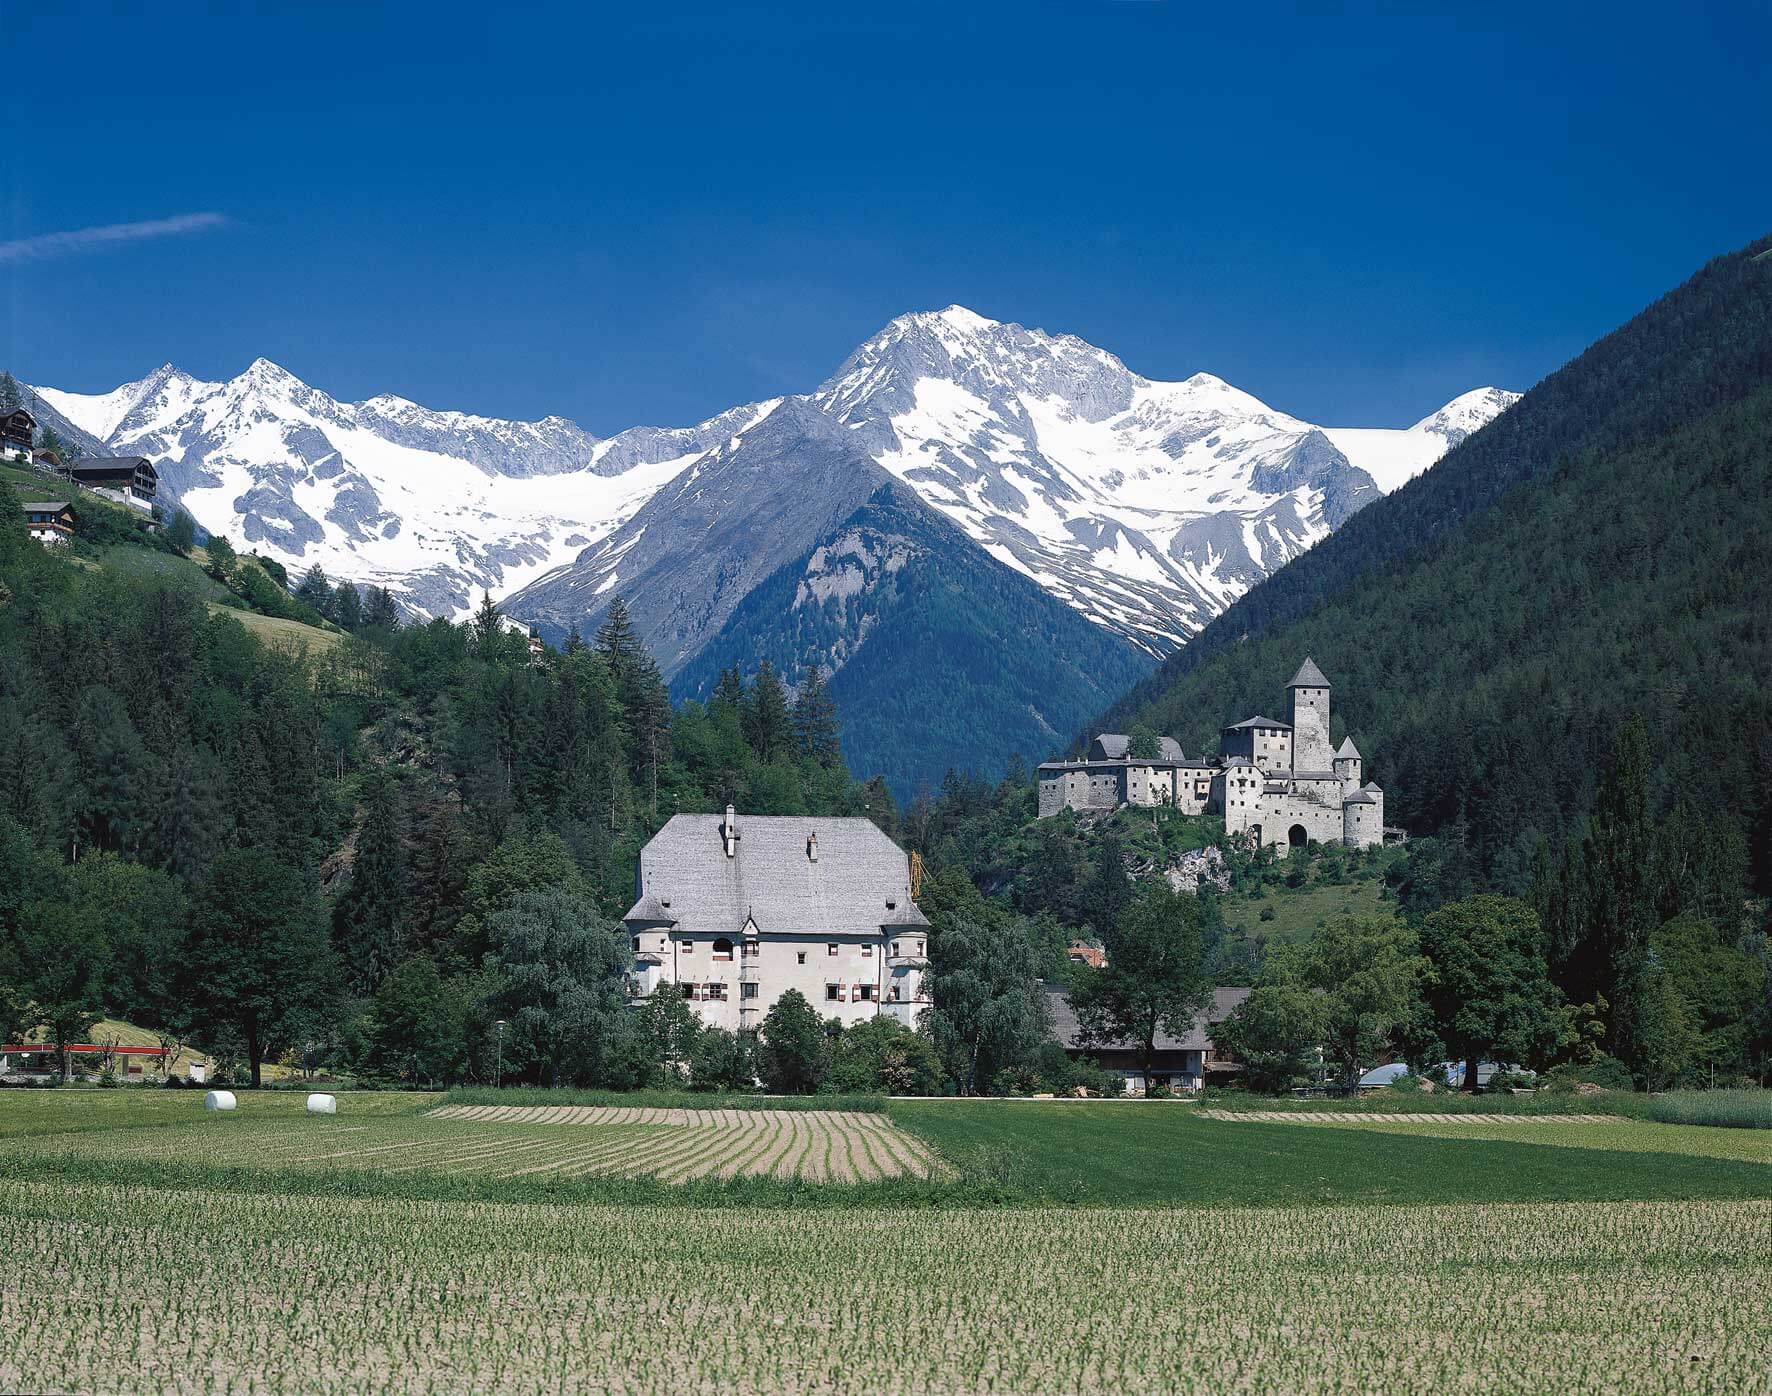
(730, 689)
(815, 721)
(487, 627)
(347, 606)
(617, 642)
(372, 913)
(768, 725)
(314, 589)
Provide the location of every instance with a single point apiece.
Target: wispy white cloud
(47, 245)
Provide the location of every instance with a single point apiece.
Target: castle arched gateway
(1298, 836)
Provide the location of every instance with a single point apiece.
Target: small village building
(50, 522)
(737, 911)
(18, 429)
(1081, 952)
(1182, 1063)
(130, 480)
(48, 461)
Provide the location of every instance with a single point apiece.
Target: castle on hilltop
(1279, 782)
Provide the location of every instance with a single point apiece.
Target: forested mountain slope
(966, 663)
(1598, 551)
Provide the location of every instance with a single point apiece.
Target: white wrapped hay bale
(219, 1100)
(322, 1104)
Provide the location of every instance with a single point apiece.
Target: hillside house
(18, 429)
(50, 522)
(130, 480)
(738, 911)
(1183, 1063)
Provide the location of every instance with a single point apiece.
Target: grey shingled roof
(649, 908)
(1360, 799)
(1347, 748)
(1068, 1032)
(1308, 676)
(1259, 722)
(1169, 749)
(1113, 745)
(1372, 787)
(772, 880)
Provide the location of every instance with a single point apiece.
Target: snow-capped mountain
(437, 506)
(1145, 506)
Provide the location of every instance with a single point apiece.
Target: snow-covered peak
(1467, 413)
(102, 413)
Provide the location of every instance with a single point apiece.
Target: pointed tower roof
(1308, 676)
(1347, 748)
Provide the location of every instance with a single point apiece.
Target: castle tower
(1347, 767)
(1309, 696)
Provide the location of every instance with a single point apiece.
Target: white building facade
(737, 911)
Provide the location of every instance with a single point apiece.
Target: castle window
(833, 993)
(800, 957)
(831, 948)
(722, 949)
(747, 991)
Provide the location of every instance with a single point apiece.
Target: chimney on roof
(812, 848)
(731, 831)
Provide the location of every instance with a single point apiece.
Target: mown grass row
(676, 1100)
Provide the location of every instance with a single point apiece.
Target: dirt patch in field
(677, 1144)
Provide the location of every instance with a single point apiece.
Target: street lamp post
(498, 1071)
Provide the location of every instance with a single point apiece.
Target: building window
(636, 945)
(892, 993)
(867, 952)
(689, 947)
(716, 992)
(895, 947)
(800, 957)
(833, 993)
(752, 950)
(722, 949)
(747, 991)
(831, 948)
(919, 947)
(866, 991)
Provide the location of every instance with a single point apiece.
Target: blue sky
(650, 212)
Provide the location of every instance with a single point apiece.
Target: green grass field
(1299, 911)
(1085, 1246)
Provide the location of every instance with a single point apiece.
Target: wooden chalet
(50, 522)
(18, 428)
(130, 480)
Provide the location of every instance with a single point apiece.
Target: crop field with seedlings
(281, 1293)
(385, 1135)
(453, 1243)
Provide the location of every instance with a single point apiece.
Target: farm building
(50, 522)
(739, 911)
(17, 430)
(130, 480)
(1183, 1063)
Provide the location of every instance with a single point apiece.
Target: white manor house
(1279, 782)
(737, 912)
